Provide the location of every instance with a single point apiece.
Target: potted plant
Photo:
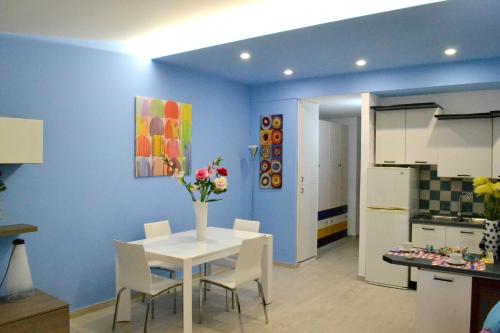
(208, 181)
(490, 192)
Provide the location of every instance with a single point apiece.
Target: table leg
(124, 306)
(267, 269)
(188, 296)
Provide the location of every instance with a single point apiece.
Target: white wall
(353, 156)
(367, 159)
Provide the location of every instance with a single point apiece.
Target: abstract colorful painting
(162, 128)
(271, 151)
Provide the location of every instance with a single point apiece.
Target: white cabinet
(464, 237)
(443, 302)
(21, 141)
(332, 165)
(464, 147)
(424, 234)
(495, 173)
(390, 137)
(421, 137)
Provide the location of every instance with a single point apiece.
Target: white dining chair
(230, 261)
(248, 269)
(241, 225)
(158, 229)
(134, 274)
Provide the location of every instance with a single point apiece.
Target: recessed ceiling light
(245, 56)
(288, 72)
(450, 52)
(361, 62)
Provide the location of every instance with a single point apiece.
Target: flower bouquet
(483, 187)
(208, 181)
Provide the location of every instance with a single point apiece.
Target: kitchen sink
(449, 218)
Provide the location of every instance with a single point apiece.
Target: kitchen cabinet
(390, 137)
(423, 234)
(464, 237)
(443, 302)
(496, 148)
(421, 137)
(464, 148)
(21, 141)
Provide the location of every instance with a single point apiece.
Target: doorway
(338, 145)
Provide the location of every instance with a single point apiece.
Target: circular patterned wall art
(265, 123)
(265, 166)
(265, 137)
(276, 181)
(277, 137)
(277, 122)
(276, 151)
(276, 166)
(265, 152)
(265, 180)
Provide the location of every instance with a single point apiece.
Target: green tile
(424, 184)
(434, 175)
(467, 207)
(445, 206)
(467, 186)
(435, 195)
(424, 204)
(445, 185)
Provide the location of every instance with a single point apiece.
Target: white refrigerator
(392, 198)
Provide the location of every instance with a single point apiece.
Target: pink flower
(202, 174)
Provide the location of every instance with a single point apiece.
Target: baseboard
(285, 264)
(360, 277)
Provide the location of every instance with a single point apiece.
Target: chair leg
(232, 300)
(200, 302)
(152, 308)
(143, 297)
(259, 285)
(147, 317)
(227, 304)
(238, 303)
(116, 307)
(205, 291)
(175, 300)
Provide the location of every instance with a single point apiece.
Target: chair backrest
(246, 225)
(156, 229)
(249, 263)
(133, 268)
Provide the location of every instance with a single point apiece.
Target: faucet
(459, 213)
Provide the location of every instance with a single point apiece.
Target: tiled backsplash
(440, 195)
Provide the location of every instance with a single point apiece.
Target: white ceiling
(163, 27)
(339, 106)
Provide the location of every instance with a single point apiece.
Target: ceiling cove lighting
(288, 72)
(450, 52)
(245, 56)
(361, 62)
(199, 31)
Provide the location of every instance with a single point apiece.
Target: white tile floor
(323, 295)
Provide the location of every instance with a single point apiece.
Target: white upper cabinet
(464, 147)
(421, 138)
(390, 137)
(496, 148)
(21, 141)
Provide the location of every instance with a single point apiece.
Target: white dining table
(184, 251)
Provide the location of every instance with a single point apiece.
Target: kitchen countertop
(491, 272)
(427, 219)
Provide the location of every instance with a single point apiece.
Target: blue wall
(276, 209)
(478, 74)
(85, 194)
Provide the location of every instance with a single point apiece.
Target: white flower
(179, 173)
(221, 183)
